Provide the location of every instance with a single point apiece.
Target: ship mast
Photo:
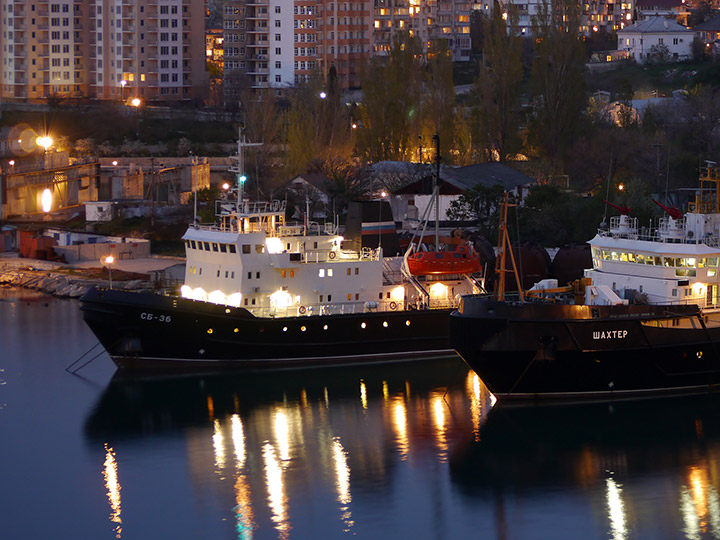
(503, 248)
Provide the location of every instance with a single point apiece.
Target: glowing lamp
(186, 291)
(438, 290)
(135, 102)
(198, 294)
(46, 200)
(280, 299)
(216, 297)
(45, 141)
(234, 299)
(397, 294)
(273, 245)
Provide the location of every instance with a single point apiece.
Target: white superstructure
(254, 260)
(675, 262)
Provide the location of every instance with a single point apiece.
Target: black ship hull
(149, 331)
(541, 350)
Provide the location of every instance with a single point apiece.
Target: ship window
(321, 272)
(252, 302)
(246, 301)
(380, 296)
(232, 248)
(223, 248)
(201, 270)
(668, 261)
(315, 245)
(292, 273)
(207, 246)
(257, 275)
(614, 256)
(329, 297)
(673, 292)
(246, 248)
(215, 246)
(631, 257)
(249, 275)
(357, 270)
(259, 248)
(321, 298)
(232, 275)
(348, 271)
(349, 297)
(387, 295)
(711, 272)
(226, 274)
(288, 246)
(658, 261)
(606, 255)
(192, 244)
(702, 263)
(330, 272)
(283, 273)
(438, 255)
(218, 273)
(712, 261)
(624, 257)
(357, 296)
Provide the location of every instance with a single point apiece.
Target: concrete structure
(70, 184)
(102, 49)
(656, 39)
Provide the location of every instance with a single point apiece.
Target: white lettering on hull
(610, 334)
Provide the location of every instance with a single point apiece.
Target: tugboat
(262, 293)
(645, 319)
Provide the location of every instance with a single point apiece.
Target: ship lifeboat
(460, 261)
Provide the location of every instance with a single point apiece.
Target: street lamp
(136, 102)
(44, 141)
(123, 84)
(107, 261)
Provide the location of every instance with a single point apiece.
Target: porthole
(284, 328)
(325, 327)
(227, 310)
(210, 331)
(407, 323)
(235, 330)
(363, 325)
(302, 328)
(385, 324)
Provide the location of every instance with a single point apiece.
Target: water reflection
(112, 484)
(283, 441)
(658, 460)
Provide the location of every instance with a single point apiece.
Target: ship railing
(336, 308)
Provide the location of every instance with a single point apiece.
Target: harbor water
(413, 450)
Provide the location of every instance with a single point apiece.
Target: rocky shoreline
(61, 284)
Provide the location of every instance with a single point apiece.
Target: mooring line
(81, 357)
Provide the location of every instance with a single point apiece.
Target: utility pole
(436, 190)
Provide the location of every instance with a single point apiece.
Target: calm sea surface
(414, 451)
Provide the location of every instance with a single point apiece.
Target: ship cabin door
(711, 298)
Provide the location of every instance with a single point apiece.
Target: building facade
(277, 44)
(106, 49)
(656, 39)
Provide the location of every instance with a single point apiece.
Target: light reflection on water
(406, 451)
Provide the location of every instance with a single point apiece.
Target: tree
(439, 99)
(557, 78)
(479, 203)
(389, 114)
(498, 86)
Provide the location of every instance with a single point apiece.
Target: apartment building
(105, 49)
(276, 44)
(429, 20)
(595, 15)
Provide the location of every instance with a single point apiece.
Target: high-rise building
(106, 49)
(429, 20)
(276, 44)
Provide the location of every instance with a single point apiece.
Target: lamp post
(123, 84)
(107, 261)
(136, 102)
